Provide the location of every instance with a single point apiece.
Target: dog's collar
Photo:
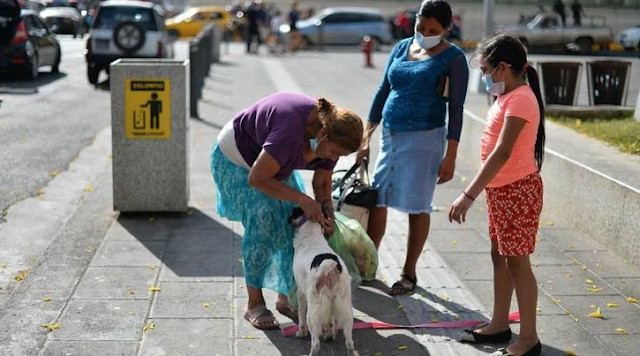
(325, 256)
(303, 220)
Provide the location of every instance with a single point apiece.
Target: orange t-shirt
(520, 102)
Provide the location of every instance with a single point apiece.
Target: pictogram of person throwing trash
(155, 108)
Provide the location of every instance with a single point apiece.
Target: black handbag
(353, 188)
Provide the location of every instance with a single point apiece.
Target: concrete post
(217, 39)
(637, 113)
(149, 126)
(488, 7)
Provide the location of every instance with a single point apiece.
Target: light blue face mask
(313, 143)
(493, 88)
(427, 42)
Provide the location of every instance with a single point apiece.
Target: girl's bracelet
(468, 196)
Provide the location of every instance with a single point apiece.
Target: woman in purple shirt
(253, 165)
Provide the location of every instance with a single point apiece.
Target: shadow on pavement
(19, 85)
(196, 245)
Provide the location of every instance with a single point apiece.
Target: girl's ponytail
(534, 83)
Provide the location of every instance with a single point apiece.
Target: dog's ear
(296, 214)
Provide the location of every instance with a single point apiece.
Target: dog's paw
(302, 332)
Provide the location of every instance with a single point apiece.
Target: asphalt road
(44, 123)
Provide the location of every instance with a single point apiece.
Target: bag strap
(344, 188)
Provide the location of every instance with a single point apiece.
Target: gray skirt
(407, 169)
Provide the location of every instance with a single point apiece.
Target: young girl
(512, 149)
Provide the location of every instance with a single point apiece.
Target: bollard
(636, 115)
(215, 45)
(149, 135)
(194, 77)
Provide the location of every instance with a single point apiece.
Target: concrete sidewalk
(100, 270)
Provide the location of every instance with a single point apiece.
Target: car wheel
(128, 36)
(173, 34)
(92, 73)
(584, 45)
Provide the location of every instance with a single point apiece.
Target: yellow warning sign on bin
(147, 105)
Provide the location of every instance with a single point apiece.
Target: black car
(26, 44)
(63, 20)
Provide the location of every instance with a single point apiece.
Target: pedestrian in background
(425, 74)
(253, 163)
(512, 148)
(558, 8)
(576, 9)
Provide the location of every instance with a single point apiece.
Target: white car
(630, 38)
(126, 29)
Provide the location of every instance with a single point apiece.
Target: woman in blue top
(425, 74)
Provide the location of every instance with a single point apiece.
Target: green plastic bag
(351, 242)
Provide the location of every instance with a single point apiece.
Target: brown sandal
(261, 318)
(404, 285)
(288, 311)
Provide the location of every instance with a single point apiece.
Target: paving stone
(621, 344)
(567, 239)
(193, 337)
(559, 335)
(84, 348)
(116, 283)
(197, 257)
(569, 280)
(625, 316)
(186, 300)
(56, 282)
(470, 266)
(628, 286)
(458, 240)
(130, 231)
(102, 320)
(129, 254)
(606, 264)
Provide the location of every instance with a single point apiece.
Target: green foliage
(623, 133)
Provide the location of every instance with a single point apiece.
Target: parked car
(125, 29)
(63, 20)
(546, 29)
(630, 38)
(191, 22)
(343, 26)
(399, 32)
(26, 44)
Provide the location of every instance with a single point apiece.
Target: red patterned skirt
(514, 213)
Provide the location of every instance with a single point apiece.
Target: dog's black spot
(325, 256)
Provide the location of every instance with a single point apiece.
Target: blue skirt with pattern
(407, 169)
(267, 243)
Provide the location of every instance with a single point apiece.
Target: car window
(110, 16)
(335, 18)
(199, 16)
(215, 16)
(38, 24)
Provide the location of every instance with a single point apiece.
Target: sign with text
(147, 108)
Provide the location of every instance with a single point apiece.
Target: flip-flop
(404, 285)
(289, 312)
(261, 318)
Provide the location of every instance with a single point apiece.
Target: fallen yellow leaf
(570, 353)
(557, 300)
(91, 248)
(88, 189)
(249, 337)
(456, 317)
(384, 280)
(613, 305)
(4, 265)
(584, 268)
(206, 305)
(234, 307)
(54, 173)
(400, 306)
(40, 193)
(21, 275)
(632, 300)
(454, 242)
(51, 327)
(550, 223)
(589, 281)
(622, 331)
(435, 320)
(152, 267)
(154, 289)
(538, 310)
(402, 347)
(595, 289)
(597, 314)
(148, 326)
(47, 299)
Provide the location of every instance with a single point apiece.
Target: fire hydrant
(366, 46)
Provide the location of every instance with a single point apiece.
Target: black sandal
(473, 337)
(404, 285)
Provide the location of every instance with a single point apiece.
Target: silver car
(343, 26)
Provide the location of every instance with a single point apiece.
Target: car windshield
(59, 11)
(109, 17)
(185, 15)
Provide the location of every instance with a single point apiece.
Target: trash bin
(560, 82)
(608, 82)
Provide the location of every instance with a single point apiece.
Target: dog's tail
(327, 274)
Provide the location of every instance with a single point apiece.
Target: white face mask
(427, 42)
(493, 88)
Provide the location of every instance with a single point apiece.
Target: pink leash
(513, 317)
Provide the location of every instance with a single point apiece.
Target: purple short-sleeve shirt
(276, 124)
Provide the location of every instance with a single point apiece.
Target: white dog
(324, 287)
